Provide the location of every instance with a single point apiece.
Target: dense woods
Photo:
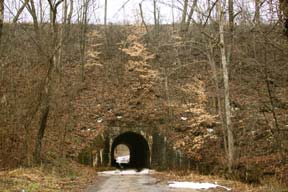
(214, 79)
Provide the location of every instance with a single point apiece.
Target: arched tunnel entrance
(138, 150)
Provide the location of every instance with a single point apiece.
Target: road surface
(131, 183)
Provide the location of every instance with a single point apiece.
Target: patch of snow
(210, 130)
(235, 108)
(126, 172)
(192, 185)
(99, 120)
(119, 117)
(184, 118)
(123, 159)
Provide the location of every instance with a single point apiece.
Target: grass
(52, 178)
(267, 185)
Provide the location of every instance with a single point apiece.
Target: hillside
(210, 81)
(162, 79)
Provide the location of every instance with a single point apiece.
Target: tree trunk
(1, 18)
(184, 15)
(83, 37)
(190, 15)
(63, 34)
(173, 15)
(167, 92)
(35, 21)
(21, 9)
(283, 15)
(231, 31)
(69, 18)
(156, 23)
(230, 138)
(105, 13)
(142, 17)
(218, 95)
(45, 102)
(231, 14)
(257, 12)
(41, 132)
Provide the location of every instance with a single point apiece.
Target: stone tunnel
(148, 148)
(138, 148)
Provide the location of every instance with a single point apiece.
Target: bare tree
(1, 18)
(105, 13)
(20, 10)
(192, 10)
(230, 138)
(257, 12)
(156, 16)
(284, 14)
(69, 17)
(231, 30)
(65, 31)
(173, 15)
(84, 22)
(186, 20)
(32, 11)
(184, 14)
(231, 15)
(50, 61)
(142, 17)
(212, 63)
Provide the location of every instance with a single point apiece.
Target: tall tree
(62, 34)
(184, 15)
(156, 16)
(50, 61)
(84, 22)
(142, 17)
(257, 12)
(105, 13)
(191, 12)
(284, 14)
(227, 107)
(231, 30)
(20, 10)
(1, 18)
(173, 15)
(231, 14)
(187, 18)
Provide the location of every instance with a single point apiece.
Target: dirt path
(131, 183)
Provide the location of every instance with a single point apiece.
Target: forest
(212, 76)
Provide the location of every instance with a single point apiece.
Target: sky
(117, 12)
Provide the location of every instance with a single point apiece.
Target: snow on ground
(123, 159)
(192, 185)
(126, 172)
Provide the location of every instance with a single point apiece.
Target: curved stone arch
(161, 155)
(140, 152)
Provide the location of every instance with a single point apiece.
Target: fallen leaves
(43, 179)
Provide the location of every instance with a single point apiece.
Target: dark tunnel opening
(138, 150)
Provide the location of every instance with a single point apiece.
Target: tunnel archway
(138, 148)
